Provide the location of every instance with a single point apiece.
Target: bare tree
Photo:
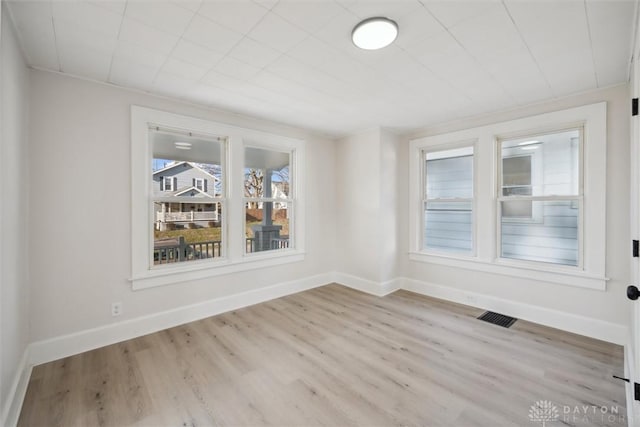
(253, 184)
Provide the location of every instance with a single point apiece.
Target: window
(529, 201)
(268, 199)
(191, 216)
(540, 213)
(200, 184)
(187, 224)
(167, 183)
(448, 201)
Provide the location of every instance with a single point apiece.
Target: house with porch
(184, 179)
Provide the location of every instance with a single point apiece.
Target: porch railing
(177, 250)
(167, 251)
(186, 216)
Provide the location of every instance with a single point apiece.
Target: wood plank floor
(335, 356)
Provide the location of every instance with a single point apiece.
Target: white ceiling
(293, 61)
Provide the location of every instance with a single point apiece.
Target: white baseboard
(13, 404)
(52, 349)
(68, 345)
(366, 285)
(599, 329)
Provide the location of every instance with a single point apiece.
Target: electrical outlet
(116, 309)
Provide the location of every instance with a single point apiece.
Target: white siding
(551, 235)
(449, 225)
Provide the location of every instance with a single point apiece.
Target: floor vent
(497, 319)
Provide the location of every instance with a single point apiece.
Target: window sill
(543, 273)
(201, 270)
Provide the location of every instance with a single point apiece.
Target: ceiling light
(183, 145)
(529, 142)
(374, 33)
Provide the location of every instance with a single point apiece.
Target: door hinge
(636, 249)
(634, 107)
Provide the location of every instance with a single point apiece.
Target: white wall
(14, 305)
(80, 254)
(367, 205)
(610, 306)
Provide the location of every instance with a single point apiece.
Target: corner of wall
(13, 405)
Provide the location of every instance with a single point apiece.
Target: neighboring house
(185, 179)
(280, 190)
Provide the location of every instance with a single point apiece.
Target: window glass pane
(267, 226)
(449, 174)
(448, 226)
(542, 165)
(186, 231)
(520, 209)
(516, 176)
(266, 166)
(186, 166)
(189, 169)
(554, 239)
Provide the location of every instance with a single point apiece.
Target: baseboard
(13, 405)
(56, 348)
(599, 329)
(68, 345)
(366, 285)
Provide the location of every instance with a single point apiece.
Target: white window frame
(234, 259)
(591, 274)
(425, 197)
(200, 181)
(168, 179)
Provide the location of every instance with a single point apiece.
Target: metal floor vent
(498, 319)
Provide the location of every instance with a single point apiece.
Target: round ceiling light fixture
(374, 33)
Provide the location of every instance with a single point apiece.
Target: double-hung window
(211, 199)
(540, 197)
(523, 198)
(200, 184)
(448, 201)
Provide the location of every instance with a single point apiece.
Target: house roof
(186, 190)
(193, 165)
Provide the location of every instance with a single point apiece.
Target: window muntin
(186, 213)
(448, 201)
(268, 200)
(540, 200)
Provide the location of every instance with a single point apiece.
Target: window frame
(170, 179)
(592, 273)
(142, 275)
(425, 199)
(201, 181)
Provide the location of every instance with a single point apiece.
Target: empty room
(319, 213)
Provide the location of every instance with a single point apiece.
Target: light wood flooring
(334, 356)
